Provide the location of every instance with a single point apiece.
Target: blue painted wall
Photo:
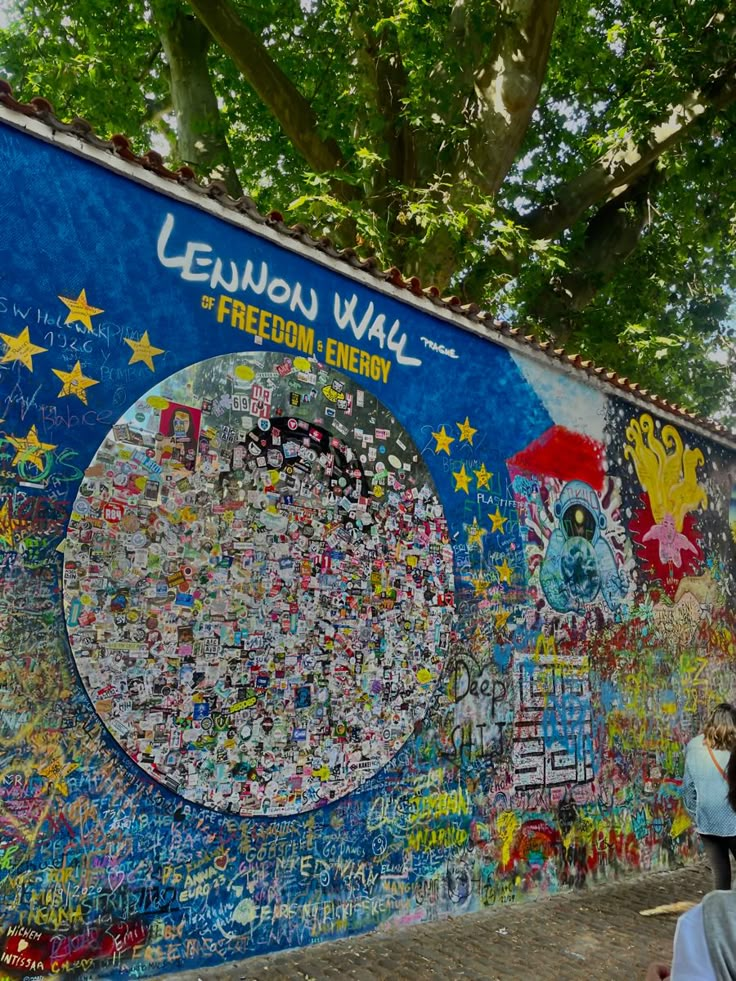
(317, 614)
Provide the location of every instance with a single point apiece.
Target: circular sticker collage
(258, 584)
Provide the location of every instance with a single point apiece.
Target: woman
(704, 948)
(705, 791)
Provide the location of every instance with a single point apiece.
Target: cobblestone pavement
(593, 934)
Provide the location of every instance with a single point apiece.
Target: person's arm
(689, 793)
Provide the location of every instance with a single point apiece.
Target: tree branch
(200, 135)
(497, 267)
(507, 88)
(150, 62)
(391, 83)
(277, 92)
(623, 165)
(611, 237)
(156, 108)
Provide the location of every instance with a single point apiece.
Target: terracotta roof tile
(120, 146)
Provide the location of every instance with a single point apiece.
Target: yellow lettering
(277, 330)
(223, 305)
(352, 359)
(263, 323)
(236, 315)
(251, 320)
(343, 352)
(306, 339)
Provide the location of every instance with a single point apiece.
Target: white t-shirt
(691, 960)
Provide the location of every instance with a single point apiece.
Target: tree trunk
(277, 92)
(508, 87)
(611, 238)
(200, 133)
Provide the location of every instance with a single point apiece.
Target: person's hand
(658, 971)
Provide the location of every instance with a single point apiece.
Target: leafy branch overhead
(570, 166)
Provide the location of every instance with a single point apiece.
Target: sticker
(269, 581)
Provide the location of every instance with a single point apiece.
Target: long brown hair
(731, 778)
(720, 729)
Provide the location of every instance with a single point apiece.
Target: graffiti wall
(319, 611)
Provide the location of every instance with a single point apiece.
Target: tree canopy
(570, 166)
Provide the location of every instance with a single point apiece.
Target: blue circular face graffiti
(258, 584)
(579, 563)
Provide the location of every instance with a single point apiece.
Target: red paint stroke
(563, 454)
(533, 837)
(666, 573)
(28, 949)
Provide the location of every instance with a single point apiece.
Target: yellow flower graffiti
(667, 472)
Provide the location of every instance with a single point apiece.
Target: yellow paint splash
(507, 824)
(666, 470)
(681, 823)
(157, 401)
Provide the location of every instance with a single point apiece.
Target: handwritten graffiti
(300, 635)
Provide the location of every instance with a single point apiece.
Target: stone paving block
(593, 934)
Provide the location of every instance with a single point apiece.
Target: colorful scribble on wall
(318, 613)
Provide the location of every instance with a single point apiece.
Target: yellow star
(143, 350)
(466, 431)
(462, 480)
(501, 618)
(21, 348)
(28, 448)
(498, 521)
(480, 585)
(443, 441)
(504, 572)
(75, 383)
(483, 476)
(475, 533)
(79, 310)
